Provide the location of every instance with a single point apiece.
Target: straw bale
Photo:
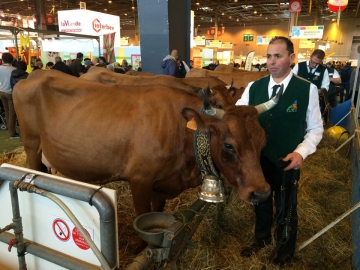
(324, 194)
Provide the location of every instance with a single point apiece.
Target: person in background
(352, 83)
(169, 64)
(314, 71)
(77, 69)
(256, 67)
(88, 64)
(287, 145)
(102, 62)
(110, 67)
(38, 64)
(19, 73)
(6, 94)
(139, 67)
(61, 66)
(345, 75)
(96, 61)
(335, 79)
(191, 64)
(181, 66)
(125, 65)
(49, 65)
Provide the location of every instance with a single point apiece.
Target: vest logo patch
(292, 107)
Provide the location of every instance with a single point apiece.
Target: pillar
(164, 26)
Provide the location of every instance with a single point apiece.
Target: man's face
(278, 60)
(314, 62)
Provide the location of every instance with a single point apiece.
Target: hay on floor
(324, 194)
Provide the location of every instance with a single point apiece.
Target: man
(313, 71)
(169, 64)
(6, 94)
(345, 74)
(77, 69)
(335, 79)
(286, 146)
(61, 66)
(102, 62)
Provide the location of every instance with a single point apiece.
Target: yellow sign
(306, 44)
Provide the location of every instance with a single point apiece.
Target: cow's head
(221, 96)
(236, 143)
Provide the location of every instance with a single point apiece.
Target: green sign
(248, 37)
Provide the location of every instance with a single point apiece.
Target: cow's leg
(157, 202)
(33, 155)
(141, 193)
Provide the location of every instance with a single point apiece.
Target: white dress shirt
(325, 82)
(314, 127)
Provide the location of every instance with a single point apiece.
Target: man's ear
(193, 119)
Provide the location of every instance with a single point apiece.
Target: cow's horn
(208, 90)
(271, 103)
(231, 84)
(208, 109)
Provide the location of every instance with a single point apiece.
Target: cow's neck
(203, 154)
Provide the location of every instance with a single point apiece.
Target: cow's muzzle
(259, 196)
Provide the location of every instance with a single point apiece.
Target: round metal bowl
(151, 226)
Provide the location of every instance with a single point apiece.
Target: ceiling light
(260, 15)
(197, 4)
(125, 14)
(132, 7)
(230, 17)
(255, 12)
(18, 16)
(105, 9)
(235, 1)
(109, 2)
(206, 8)
(237, 19)
(223, 13)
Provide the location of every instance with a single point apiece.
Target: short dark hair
(79, 55)
(7, 58)
(287, 41)
(319, 54)
(21, 65)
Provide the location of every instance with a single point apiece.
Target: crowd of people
(13, 70)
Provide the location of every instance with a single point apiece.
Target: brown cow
(231, 69)
(241, 79)
(99, 133)
(220, 96)
(139, 73)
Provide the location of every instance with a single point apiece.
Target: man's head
(79, 56)
(7, 58)
(102, 59)
(316, 58)
(280, 55)
(21, 65)
(57, 59)
(175, 54)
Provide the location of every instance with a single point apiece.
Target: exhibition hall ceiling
(227, 12)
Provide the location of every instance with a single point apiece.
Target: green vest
(331, 90)
(315, 79)
(284, 124)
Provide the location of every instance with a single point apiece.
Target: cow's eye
(229, 147)
(218, 106)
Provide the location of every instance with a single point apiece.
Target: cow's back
(101, 126)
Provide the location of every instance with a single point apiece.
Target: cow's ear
(232, 91)
(193, 118)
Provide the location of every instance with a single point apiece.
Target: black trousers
(284, 194)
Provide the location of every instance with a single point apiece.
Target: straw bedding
(324, 194)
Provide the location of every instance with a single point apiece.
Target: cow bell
(212, 190)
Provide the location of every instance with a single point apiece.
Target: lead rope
(292, 201)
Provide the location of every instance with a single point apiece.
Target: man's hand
(296, 161)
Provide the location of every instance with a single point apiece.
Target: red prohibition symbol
(61, 230)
